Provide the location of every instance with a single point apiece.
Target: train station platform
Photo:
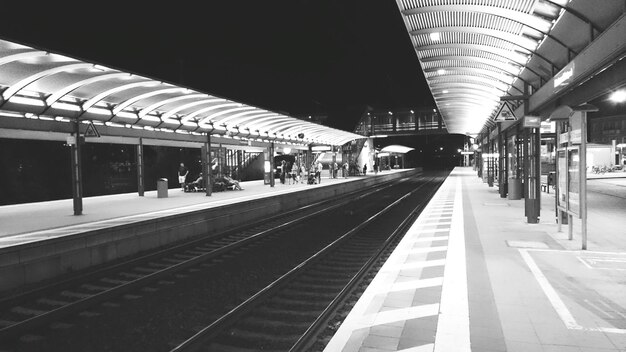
(472, 275)
(43, 241)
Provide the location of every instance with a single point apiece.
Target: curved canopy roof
(40, 83)
(396, 149)
(473, 52)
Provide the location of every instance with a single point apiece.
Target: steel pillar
(140, 169)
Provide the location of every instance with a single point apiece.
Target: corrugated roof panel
(472, 51)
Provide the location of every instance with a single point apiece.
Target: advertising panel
(573, 181)
(562, 167)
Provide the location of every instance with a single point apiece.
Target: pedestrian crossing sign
(505, 113)
(91, 130)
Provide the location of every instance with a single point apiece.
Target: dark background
(299, 57)
(296, 57)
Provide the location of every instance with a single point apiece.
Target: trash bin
(515, 188)
(162, 188)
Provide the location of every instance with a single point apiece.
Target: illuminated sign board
(532, 122)
(564, 77)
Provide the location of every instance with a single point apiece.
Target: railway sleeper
(228, 348)
(323, 281)
(272, 326)
(301, 286)
(295, 304)
(253, 339)
(286, 314)
(305, 294)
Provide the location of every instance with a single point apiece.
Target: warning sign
(91, 130)
(505, 113)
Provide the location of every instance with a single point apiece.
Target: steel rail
(72, 307)
(197, 341)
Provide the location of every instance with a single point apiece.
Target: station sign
(564, 77)
(532, 121)
(505, 113)
(91, 130)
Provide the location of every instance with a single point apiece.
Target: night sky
(298, 57)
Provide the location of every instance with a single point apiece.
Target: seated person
(232, 182)
(196, 185)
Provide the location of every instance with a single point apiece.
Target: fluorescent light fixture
(435, 36)
(26, 101)
(151, 118)
(445, 91)
(127, 115)
(618, 96)
(99, 111)
(10, 114)
(441, 71)
(412, 112)
(66, 106)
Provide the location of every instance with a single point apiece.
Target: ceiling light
(435, 36)
(441, 71)
(445, 91)
(618, 96)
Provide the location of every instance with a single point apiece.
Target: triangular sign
(91, 130)
(505, 113)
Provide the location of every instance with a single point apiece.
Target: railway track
(289, 313)
(139, 308)
(44, 306)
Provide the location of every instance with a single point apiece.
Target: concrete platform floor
(472, 275)
(29, 222)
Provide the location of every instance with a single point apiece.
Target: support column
(532, 166)
(271, 157)
(140, 169)
(77, 183)
(583, 178)
(502, 152)
(207, 167)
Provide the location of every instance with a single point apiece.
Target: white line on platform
(453, 327)
(426, 249)
(418, 265)
(556, 301)
(423, 348)
(401, 314)
(412, 284)
(430, 239)
(553, 296)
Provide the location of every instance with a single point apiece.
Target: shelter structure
(503, 72)
(50, 96)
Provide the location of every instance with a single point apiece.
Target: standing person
(283, 166)
(345, 169)
(294, 173)
(182, 176)
(318, 172)
(364, 169)
(303, 173)
(335, 169)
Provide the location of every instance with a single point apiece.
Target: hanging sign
(532, 121)
(505, 113)
(91, 130)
